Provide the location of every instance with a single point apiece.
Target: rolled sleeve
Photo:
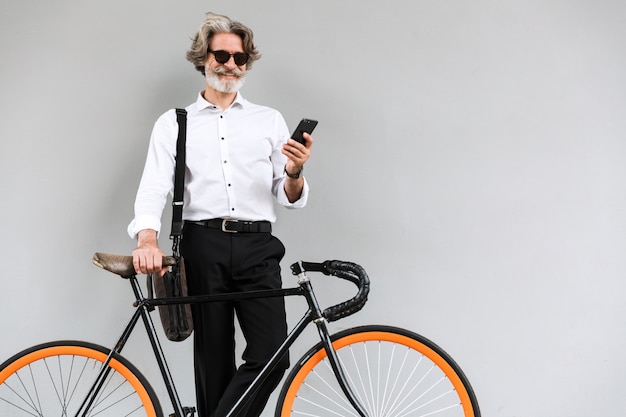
(140, 223)
(282, 199)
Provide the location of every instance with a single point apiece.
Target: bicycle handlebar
(345, 270)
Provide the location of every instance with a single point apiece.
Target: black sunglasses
(223, 57)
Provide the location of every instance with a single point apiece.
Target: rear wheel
(393, 372)
(53, 379)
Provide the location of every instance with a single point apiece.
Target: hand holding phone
(305, 125)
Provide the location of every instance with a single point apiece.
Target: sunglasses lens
(240, 58)
(221, 56)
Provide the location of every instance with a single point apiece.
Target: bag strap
(179, 178)
(179, 190)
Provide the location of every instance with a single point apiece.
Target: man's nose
(231, 62)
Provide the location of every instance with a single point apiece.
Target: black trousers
(218, 262)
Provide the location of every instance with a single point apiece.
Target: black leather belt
(235, 226)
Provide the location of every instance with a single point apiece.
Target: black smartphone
(305, 125)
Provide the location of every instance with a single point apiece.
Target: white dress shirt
(234, 167)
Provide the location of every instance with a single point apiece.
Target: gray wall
(471, 155)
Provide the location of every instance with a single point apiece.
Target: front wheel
(393, 372)
(53, 379)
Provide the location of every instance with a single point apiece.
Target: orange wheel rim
(83, 352)
(387, 337)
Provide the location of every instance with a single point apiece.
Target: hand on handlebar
(148, 257)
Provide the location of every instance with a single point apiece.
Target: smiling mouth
(220, 71)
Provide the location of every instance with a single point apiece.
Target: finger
(308, 140)
(288, 152)
(296, 152)
(137, 262)
(157, 263)
(136, 265)
(294, 146)
(294, 163)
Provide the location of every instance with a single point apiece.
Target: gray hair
(215, 23)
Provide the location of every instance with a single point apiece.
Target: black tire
(393, 372)
(52, 380)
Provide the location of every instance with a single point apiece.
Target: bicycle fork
(333, 358)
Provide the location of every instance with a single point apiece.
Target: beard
(225, 86)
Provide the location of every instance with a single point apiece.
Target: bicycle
(366, 371)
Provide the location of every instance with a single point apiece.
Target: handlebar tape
(344, 270)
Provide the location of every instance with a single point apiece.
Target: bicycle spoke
(331, 385)
(20, 397)
(366, 403)
(78, 379)
(387, 390)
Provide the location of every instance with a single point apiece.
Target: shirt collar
(201, 103)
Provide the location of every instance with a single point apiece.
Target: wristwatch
(296, 175)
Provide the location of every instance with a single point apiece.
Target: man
(239, 159)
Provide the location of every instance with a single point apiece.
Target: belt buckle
(225, 223)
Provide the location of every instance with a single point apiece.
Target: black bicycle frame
(145, 306)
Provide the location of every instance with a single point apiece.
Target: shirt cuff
(140, 223)
(282, 199)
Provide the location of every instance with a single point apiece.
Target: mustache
(234, 72)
